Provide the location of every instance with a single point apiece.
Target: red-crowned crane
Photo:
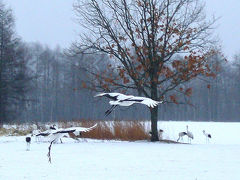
(54, 135)
(118, 99)
(180, 136)
(28, 140)
(189, 135)
(207, 135)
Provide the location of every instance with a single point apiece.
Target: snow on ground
(96, 159)
(222, 132)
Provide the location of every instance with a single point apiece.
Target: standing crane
(207, 135)
(189, 135)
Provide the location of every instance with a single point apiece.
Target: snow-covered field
(96, 159)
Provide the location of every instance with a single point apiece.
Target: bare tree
(158, 45)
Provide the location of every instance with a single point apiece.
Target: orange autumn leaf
(105, 86)
(173, 99)
(139, 67)
(188, 92)
(108, 80)
(84, 85)
(125, 80)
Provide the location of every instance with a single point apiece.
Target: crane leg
(110, 110)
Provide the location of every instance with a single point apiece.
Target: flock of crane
(190, 135)
(54, 134)
(116, 99)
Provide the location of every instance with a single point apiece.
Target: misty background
(42, 83)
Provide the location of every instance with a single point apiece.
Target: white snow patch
(96, 159)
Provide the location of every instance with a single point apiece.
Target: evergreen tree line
(14, 77)
(39, 84)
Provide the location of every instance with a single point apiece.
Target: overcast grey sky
(51, 22)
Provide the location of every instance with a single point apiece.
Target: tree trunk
(154, 113)
(154, 118)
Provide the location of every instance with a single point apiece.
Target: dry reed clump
(137, 131)
(4, 131)
(102, 131)
(18, 132)
(125, 130)
(130, 131)
(14, 132)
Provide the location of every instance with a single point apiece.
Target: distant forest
(55, 90)
(39, 84)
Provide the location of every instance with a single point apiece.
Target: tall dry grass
(117, 130)
(105, 130)
(14, 132)
(130, 131)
